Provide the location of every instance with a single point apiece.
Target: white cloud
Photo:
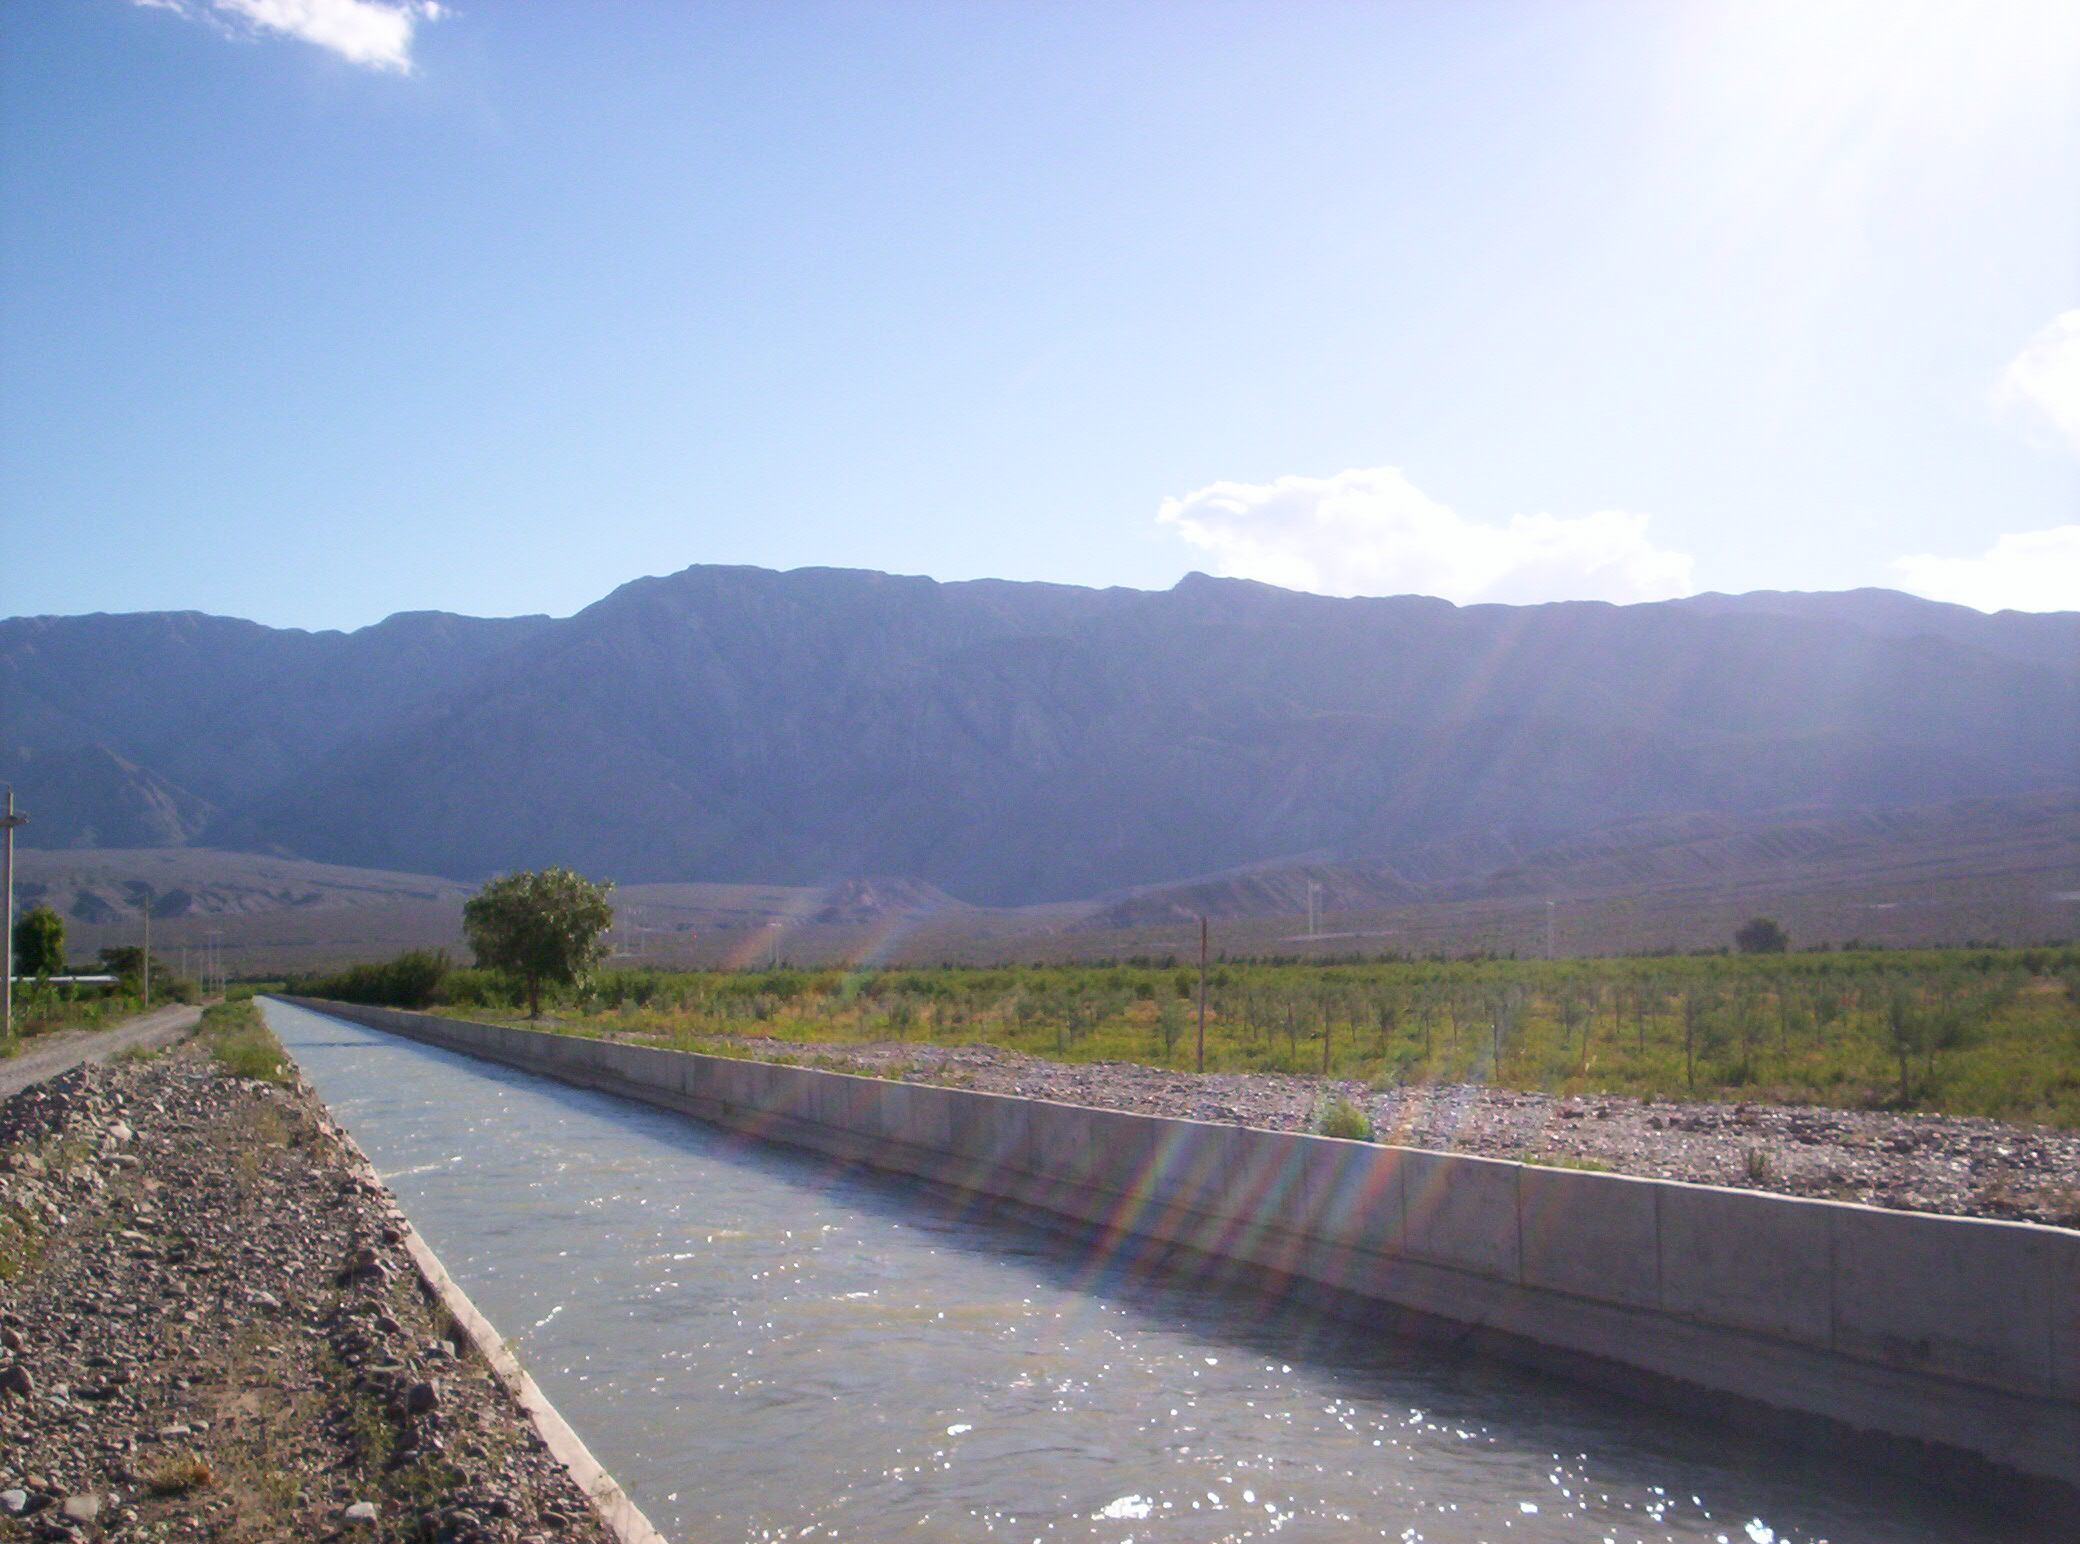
(2043, 381)
(2023, 571)
(1373, 532)
(376, 33)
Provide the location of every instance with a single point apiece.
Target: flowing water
(760, 1344)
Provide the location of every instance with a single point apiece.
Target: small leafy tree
(126, 963)
(1907, 1032)
(1761, 935)
(1170, 1023)
(39, 943)
(542, 926)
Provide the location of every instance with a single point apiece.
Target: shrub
(1761, 935)
(412, 980)
(1341, 1118)
(178, 1474)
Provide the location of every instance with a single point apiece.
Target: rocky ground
(1935, 1163)
(209, 1329)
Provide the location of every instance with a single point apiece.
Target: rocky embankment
(1935, 1163)
(210, 1329)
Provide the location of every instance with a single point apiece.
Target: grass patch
(21, 1243)
(24, 1235)
(243, 1045)
(1567, 1161)
(1341, 1118)
(369, 1429)
(179, 1473)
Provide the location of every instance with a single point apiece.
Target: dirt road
(48, 1055)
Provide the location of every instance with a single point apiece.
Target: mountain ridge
(1010, 742)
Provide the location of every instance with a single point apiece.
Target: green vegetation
(39, 943)
(412, 980)
(21, 1240)
(543, 927)
(1969, 1031)
(25, 1228)
(178, 1473)
(1579, 1161)
(43, 1006)
(241, 1042)
(1761, 935)
(1341, 1118)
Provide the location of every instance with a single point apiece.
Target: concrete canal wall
(1955, 1332)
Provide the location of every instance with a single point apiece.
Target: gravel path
(210, 1329)
(1936, 1163)
(48, 1055)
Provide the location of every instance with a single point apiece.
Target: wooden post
(1202, 994)
(8, 822)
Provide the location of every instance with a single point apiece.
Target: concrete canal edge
(624, 1519)
(1952, 1342)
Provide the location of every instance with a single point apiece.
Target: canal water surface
(762, 1345)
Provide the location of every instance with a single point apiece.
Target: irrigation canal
(761, 1345)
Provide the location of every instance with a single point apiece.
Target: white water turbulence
(762, 1345)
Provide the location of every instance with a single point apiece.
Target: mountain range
(1016, 743)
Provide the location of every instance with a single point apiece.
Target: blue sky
(315, 310)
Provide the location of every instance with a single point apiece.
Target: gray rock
(362, 1512)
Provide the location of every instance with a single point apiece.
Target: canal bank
(1954, 1339)
(211, 1327)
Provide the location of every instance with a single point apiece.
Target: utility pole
(1202, 994)
(214, 968)
(1312, 887)
(9, 821)
(148, 947)
(1549, 929)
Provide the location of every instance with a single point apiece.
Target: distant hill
(859, 902)
(1011, 744)
(1772, 855)
(112, 885)
(2001, 870)
(2039, 833)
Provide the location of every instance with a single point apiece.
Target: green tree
(39, 943)
(543, 926)
(1761, 935)
(126, 963)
